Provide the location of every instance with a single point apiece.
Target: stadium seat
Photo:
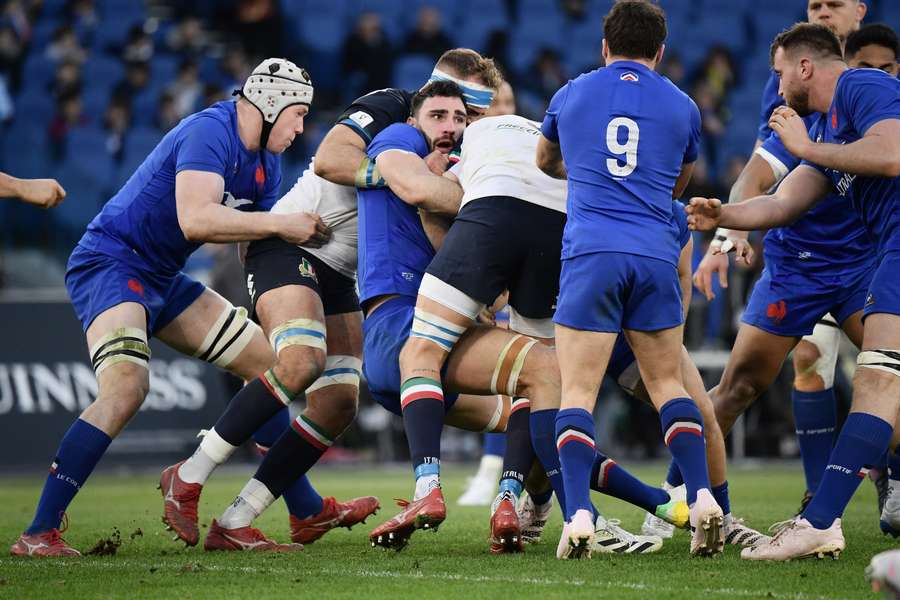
(474, 29)
(323, 32)
(411, 71)
(83, 200)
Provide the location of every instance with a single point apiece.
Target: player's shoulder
(218, 121)
(398, 135)
(503, 122)
(379, 98)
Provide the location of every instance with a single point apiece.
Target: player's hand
(737, 243)
(45, 193)
(713, 263)
(791, 129)
(304, 229)
(704, 213)
(437, 162)
(486, 316)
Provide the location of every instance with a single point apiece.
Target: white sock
(252, 501)
(211, 453)
(425, 484)
(490, 467)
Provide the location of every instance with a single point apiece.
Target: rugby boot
(533, 518)
(45, 543)
(890, 512)
(738, 534)
(333, 514)
(243, 538)
(180, 500)
(610, 538)
(578, 536)
(506, 533)
(707, 523)
(428, 512)
(797, 538)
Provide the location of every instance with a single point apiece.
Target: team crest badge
(629, 76)
(777, 311)
(306, 270)
(834, 118)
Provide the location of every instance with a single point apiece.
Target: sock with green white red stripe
(422, 405)
(256, 403)
(295, 452)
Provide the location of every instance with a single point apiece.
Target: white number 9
(629, 148)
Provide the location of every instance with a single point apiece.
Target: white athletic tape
(541, 328)
(881, 360)
(498, 414)
(339, 370)
(827, 340)
(435, 329)
(446, 295)
(125, 344)
(509, 365)
(298, 332)
(227, 338)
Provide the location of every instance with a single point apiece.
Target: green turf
(452, 563)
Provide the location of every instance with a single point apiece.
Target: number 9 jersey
(624, 132)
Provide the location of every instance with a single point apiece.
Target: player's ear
(861, 10)
(659, 53)
(604, 51)
(411, 121)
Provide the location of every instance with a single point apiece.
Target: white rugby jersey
(498, 159)
(336, 204)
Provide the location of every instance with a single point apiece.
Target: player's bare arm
(339, 155)
(684, 275)
(412, 181)
(876, 154)
(203, 218)
(798, 193)
(684, 178)
(45, 193)
(549, 159)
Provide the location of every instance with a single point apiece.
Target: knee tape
(446, 295)
(228, 337)
(499, 419)
(339, 370)
(125, 344)
(509, 365)
(298, 332)
(883, 360)
(827, 339)
(542, 328)
(436, 330)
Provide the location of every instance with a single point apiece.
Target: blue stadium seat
(86, 151)
(38, 70)
(164, 69)
(139, 143)
(42, 34)
(24, 150)
(145, 105)
(411, 71)
(475, 28)
(84, 197)
(35, 107)
(323, 32)
(102, 70)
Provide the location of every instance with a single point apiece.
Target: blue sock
(301, 498)
(893, 461)
(609, 478)
(494, 444)
(543, 438)
(575, 443)
(673, 477)
(815, 419)
(682, 426)
(860, 444)
(720, 493)
(79, 452)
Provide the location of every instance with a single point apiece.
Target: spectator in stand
(368, 54)
(428, 37)
(116, 122)
(713, 124)
(82, 14)
(69, 114)
(65, 46)
(16, 15)
(67, 79)
(187, 88)
(718, 72)
(139, 46)
(189, 37)
(547, 73)
(672, 67)
(167, 115)
(137, 78)
(235, 66)
(257, 24)
(213, 93)
(574, 10)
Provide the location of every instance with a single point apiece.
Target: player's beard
(799, 101)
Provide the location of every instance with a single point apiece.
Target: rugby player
(856, 154)
(211, 179)
(813, 286)
(620, 253)
(292, 288)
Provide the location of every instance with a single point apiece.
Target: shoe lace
(63, 523)
(780, 530)
(612, 527)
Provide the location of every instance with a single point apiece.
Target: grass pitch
(452, 563)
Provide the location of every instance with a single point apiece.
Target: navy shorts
(789, 303)
(385, 332)
(884, 290)
(612, 291)
(97, 282)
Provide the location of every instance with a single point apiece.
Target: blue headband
(475, 94)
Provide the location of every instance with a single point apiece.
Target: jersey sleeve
(770, 101)
(693, 146)
(372, 113)
(680, 216)
(203, 145)
(868, 98)
(398, 136)
(550, 126)
(780, 160)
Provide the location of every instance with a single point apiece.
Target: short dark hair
(439, 88)
(877, 34)
(635, 29)
(467, 63)
(816, 38)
